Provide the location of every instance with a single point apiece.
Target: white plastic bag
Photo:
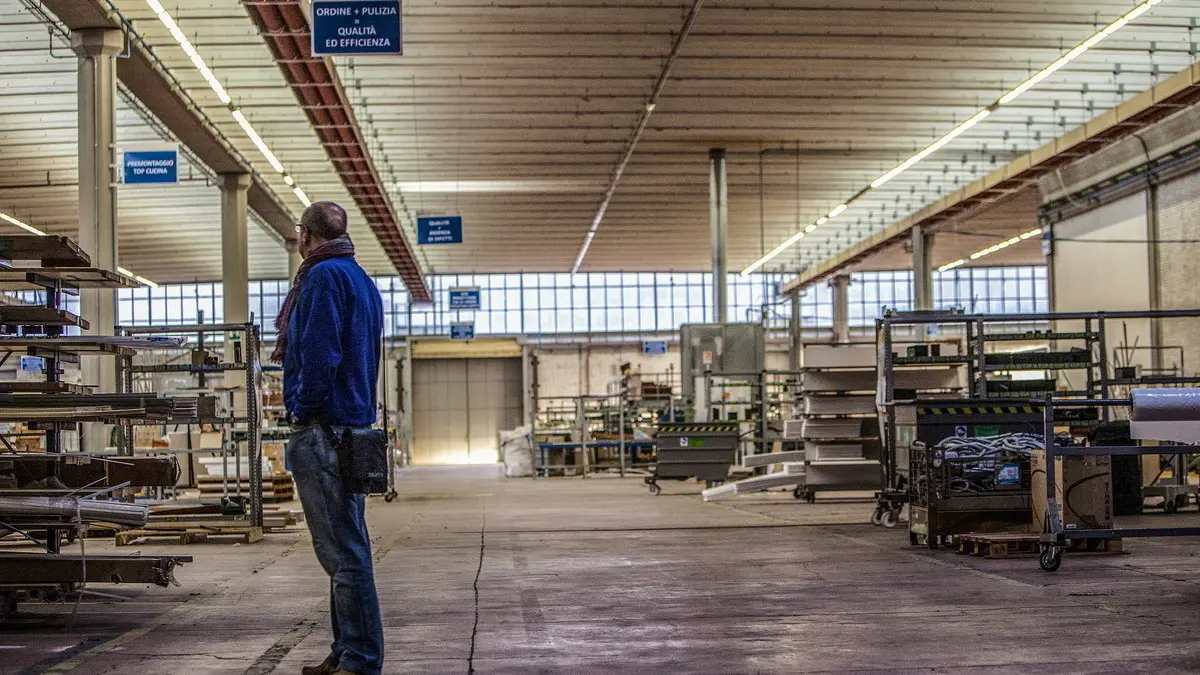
(516, 447)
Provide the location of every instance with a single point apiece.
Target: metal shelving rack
(772, 397)
(822, 392)
(40, 331)
(238, 429)
(976, 335)
(611, 415)
(1054, 539)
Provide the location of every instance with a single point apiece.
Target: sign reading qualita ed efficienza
(356, 27)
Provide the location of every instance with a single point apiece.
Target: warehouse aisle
(595, 576)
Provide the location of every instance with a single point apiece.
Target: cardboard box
(201, 440)
(1086, 502)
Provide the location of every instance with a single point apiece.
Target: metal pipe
(631, 145)
(719, 225)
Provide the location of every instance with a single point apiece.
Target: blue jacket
(334, 338)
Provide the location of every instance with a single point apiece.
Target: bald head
(321, 222)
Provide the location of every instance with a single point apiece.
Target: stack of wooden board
(278, 487)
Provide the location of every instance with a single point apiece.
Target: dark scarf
(341, 247)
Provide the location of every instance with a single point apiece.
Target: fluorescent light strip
(303, 197)
(937, 145)
(215, 84)
(1005, 244)
(978, 117)
(24, 226)
(949, 266)
(137, 277)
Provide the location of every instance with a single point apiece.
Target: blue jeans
(339, 533)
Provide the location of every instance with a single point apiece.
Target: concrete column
(96, 48)
(235, 263)
(294, 258)
(235, 260)
(719, 217)
(841, 308)
(922, 253)
(795, 328)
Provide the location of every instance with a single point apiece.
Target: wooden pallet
(190, 533)
(1014, 544)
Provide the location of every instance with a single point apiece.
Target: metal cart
(702, 450)
(1054, 539)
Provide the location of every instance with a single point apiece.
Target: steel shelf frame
(1055, 537)
(248, 426)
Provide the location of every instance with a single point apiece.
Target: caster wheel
(390, 497)
(877, 517)
(655, 490)
(1169, 506)
(933, 542)
(1051, 559)
(913, 539)
(797, 494)
(810, 496)
(890, 518)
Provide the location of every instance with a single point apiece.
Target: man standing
(330, 331)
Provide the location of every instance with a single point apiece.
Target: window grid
(601, 302)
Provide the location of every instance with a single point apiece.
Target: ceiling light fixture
(991, 249)
(24, 226)
(206, 72)
(978, 117)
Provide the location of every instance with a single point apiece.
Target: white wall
(1089, 276)
(575, 370)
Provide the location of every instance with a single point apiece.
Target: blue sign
(356, 27)
(462, 330)
(439, 230)
(466, 298)
(151, 166)
(654, 347)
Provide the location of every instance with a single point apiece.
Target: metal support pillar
(841, 308)
(294, 258)
(719, 218)
(97, 79)
(922, 253)
(795, 328)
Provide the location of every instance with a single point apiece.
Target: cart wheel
(798, 494)
(933, 542)
(914, 539)
(1169, 506)
(1051, 559)
(655, 489)
(890, 518)
(877, 516)
(390, 497)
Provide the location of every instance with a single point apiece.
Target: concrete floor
(595, 576)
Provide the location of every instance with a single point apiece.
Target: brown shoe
(323, 669)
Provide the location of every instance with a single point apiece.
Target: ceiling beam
(144, 76)
(1152, 105)
(285, 29)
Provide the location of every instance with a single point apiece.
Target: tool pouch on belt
(362, 458)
